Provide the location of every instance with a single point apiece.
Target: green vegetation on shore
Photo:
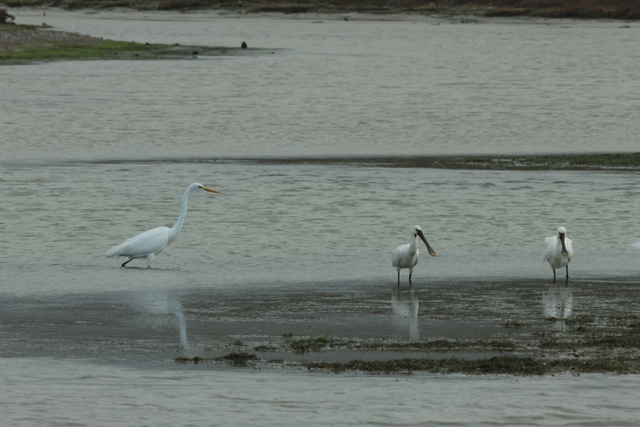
(26, 43)
(106, 49)
(15, 27)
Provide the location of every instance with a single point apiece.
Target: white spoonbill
(152, 242)
(406, 256)
(559, 252)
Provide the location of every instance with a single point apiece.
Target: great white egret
(559, 252)
(406, 256)
(152, 242)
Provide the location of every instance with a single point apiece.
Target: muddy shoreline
(29, 43)
(521, 327)
(610, 162)
(563, 329)
(621, 162)
(573, 9)
(543, 346)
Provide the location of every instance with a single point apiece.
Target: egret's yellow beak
(208, 189)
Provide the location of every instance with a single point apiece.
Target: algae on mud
(587, 344)
(234, 359)
(302, 345)
(499, 365)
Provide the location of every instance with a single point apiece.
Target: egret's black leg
(554, 276)
(410, 274)
(567, 282)
(126, 262)
(398, 277)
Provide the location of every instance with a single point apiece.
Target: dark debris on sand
(586, 344)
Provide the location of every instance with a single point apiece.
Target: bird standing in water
(559, 252)
(406, 256)
(152, 242)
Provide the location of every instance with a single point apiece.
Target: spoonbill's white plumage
(152, 242)
(406, 256)
(559, 252)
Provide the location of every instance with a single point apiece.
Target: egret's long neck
(175, 230)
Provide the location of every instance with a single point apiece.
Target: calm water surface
(137, 394)
(95, 152)
(411, 86)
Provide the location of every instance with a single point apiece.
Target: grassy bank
(68, 50)
(583, 9)
(27, 43)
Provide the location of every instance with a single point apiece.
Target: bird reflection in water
(405, 306)
(557, 303)
(165, 310)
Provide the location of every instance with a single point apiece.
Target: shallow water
(332, 87)
(62, 392)
(310, 223)
(96, 152)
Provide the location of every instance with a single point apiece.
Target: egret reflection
(557, 303)
(166, 310)
(405, 306)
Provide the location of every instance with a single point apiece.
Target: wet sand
(515, 327)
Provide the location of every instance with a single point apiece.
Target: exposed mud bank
(575, 9)
(28, 43)
(584, 344)
(612, 162)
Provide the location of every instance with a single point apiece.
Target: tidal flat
(521, 328)
(552, 342)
